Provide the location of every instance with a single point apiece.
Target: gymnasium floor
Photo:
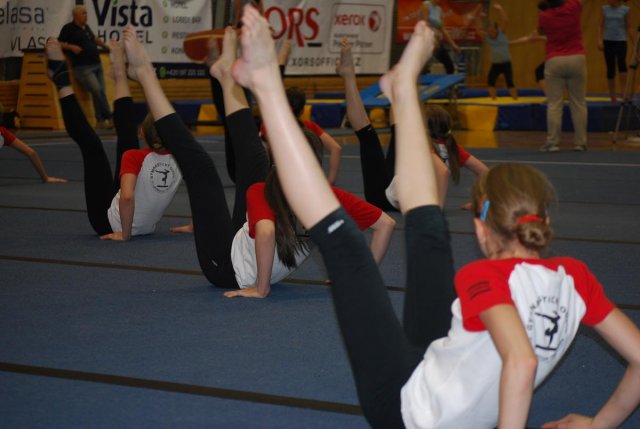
(130, 335)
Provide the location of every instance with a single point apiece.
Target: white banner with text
(26, 24)
(316, 29)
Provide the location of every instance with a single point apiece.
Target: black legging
(213, 227)
(615, 54)
(100, 185)
(382, 353)
(442, 54)
(377, 170)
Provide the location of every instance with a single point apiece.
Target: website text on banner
(316, 28)
(161, 25)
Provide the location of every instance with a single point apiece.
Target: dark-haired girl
(133, 201)
(473, 363)
(377, 170)
(258, 244)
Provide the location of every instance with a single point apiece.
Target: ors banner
(161, 26)
(458, 18)
(26, 24)
(316, 28)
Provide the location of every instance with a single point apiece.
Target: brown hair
(150, 134)
(439, 126)
(514, 191)
(288, 243)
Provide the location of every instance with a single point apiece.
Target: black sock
(59, 73)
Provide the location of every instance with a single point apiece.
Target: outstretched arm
(519, 364)
(623, 335)
(265, 242)
(30, 153)
(503, 19)
(335, 155)
(382, 232)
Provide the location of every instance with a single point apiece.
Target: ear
(547, 220)
(481, 231)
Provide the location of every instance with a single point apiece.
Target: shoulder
(256, 189)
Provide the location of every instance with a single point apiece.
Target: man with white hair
(79, 41)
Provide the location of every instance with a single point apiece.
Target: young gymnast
(297, 100)
(377, 171)
(8, 139)
(234, 253)
(132, 201)
(502, 341)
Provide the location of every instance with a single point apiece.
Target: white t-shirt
(457, 383)
(243, 257)
(158, 177)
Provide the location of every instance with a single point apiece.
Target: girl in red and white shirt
(516, 312)
(378, 170)
(246, 253)
(132, 201)
(8, 139)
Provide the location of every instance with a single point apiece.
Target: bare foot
(345, 67)
(222, 67)
(187, 229)
(414, 57)
(139, 61)
(258, 61)
(53, 50)
(118, 70)
(213, 52)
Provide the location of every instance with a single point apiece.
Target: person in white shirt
(516, 313)
(132, 201)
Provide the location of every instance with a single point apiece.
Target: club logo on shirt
(162, 176)
(546, 326)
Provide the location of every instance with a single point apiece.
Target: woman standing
(613, 32)
(565, 68)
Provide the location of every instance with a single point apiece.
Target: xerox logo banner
(316, 29)
(26, 24)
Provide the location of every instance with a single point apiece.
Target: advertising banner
(26, 24)
(458, 16)
(316, 28)
(161, 25)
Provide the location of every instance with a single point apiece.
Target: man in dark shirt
(82, 45)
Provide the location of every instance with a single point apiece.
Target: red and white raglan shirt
(310, 125)
(6, 137)
(463, 156)
(158, 177)
(243, 249)
(457, 383)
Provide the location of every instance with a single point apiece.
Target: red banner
(458, 17)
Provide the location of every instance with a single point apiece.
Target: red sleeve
(315, 128)
(463, 156)
(480, 287)
(592, 293)
(132, 161)
(8, 136)
(257, 207)
(363, 213)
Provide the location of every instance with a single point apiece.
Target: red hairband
(528, 218)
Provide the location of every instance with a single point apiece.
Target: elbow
(126, 198)
(525, 365)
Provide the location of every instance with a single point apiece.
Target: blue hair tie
(484, 210)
